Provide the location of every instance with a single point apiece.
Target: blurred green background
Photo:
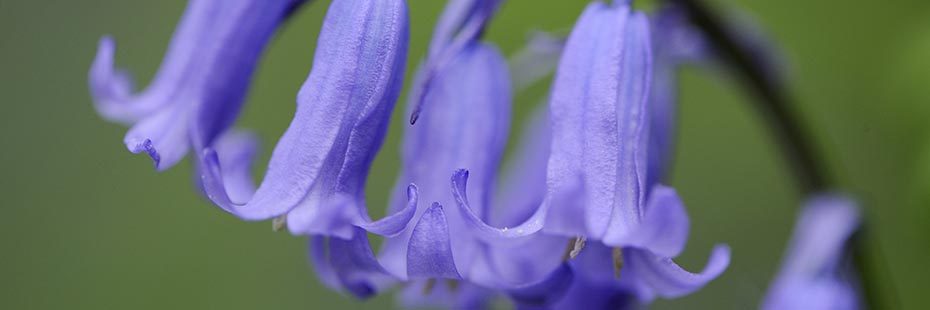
(87, 225)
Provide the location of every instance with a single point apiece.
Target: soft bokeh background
(86, 225)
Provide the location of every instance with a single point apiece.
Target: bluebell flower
(597, 187)
(816, 271)
(316, 175)
(315, 180)
(197, 93)
(465, 127)
(581, 218)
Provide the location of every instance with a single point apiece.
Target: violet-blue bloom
(467, 127)
(318, 169)
(815, 273)
(197, 93)
(522, 188)
(597, 186)
(588, 175)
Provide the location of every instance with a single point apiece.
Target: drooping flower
(197, 93)
(588, 172)
(466, 127)
(816, 272)
(318, 169)
(597, 181)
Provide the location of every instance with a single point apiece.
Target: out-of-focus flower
(816, 272)
(197, 93)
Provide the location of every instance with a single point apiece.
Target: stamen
(428, 287)
(278, 223)
(575, 245)
(618, 261)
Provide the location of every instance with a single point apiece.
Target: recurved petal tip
(488, 233)
(109, 86)
(161, 138)
(669, 280)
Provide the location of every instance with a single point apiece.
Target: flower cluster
(581, 220)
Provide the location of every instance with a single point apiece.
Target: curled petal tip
(486, 232)
(670, 280)
(145, 145)
(109, 86)
(412, 192)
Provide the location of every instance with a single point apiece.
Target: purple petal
(318, 252)
(482, 230)
(203, 79)
(468, 129)
(430, 253)
(443, 295)
(544, 292)
(337, 217)
(669, 280)
(341, 116)
(355, 265)
(236, 151)
(599, 117)
(617, 178)
(161, 137)
(813, 275)
(586, 295)
(565, 113)
(332, 218)
(394, 224)
(523, 185)
(596, 287)
(664, 229)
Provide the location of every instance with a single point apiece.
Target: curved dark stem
(774, 104)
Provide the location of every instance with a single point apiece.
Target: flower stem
(774, 104)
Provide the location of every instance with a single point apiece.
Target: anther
(618, 261)
(278, 223)
(575, 245)
(428, 287)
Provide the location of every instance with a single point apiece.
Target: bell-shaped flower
(316, 176)
(530, 273)
(465, 128)
(199, 89)
(597, 188)
(816, 271)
